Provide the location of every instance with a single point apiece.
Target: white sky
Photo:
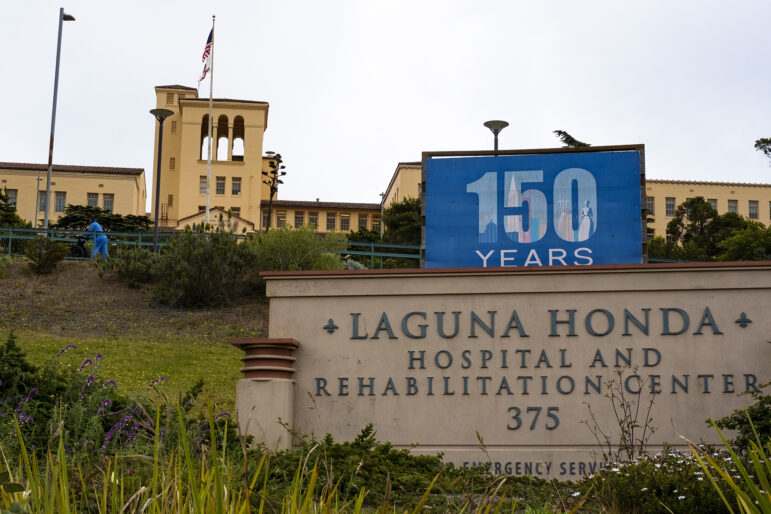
(356, 86)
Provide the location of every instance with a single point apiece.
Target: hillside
(138, 340)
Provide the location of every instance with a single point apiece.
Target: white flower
(699, 479)
(577, 493)
(614, 469)
(681, 497)
(644, 489)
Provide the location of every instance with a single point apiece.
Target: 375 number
(532, 414)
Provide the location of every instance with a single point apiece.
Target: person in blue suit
(96, 232)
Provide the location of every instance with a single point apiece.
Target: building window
(650, 204)
(236, 183)
(172, 163)
(713, 202)
(169, 98)
(669, 206)
(13, 194)
(363, 219)
(201, 208)
(376, 223)
(220, 186)
(235, 211)
(299, 218)
(60, 201)
(108, 200)
(733, 206)
(280, 218)
(345, 222)
(171, 201)
(41, 201)
(754, 209)
(202, 184)
(331, 221)
(173, 126)
(313, 218)
(265, 219)
(92, 199)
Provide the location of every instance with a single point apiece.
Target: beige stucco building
(325, 216)
(237, 160)
(405, 183)
(752, 201)
(120, 190)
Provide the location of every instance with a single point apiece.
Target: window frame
(60, 201)
(235, 190)
(670, 205)
(219, 181)
(111, 196)
(331, 221)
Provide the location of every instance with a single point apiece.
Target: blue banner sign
(551, 209)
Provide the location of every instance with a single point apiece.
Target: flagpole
(211, 89)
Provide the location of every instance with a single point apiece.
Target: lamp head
(161, 114)
(68, 17)
(496, 125)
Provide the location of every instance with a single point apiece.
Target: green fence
(12, 241)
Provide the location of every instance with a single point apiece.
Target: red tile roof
(68, 168)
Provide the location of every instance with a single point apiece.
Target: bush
(44, 254)
(199, 268)
(287, 249)
(5, 262)
(134, 266)
(759, 417)
(669, 482)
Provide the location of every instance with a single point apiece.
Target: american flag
(207, 56)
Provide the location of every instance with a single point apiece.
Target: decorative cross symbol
(330, 327)
(743, 320)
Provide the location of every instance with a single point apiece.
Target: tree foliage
(569, 141)
(403, 224)
(764, 145)
(8, 215)
(287, 249)
(79, 217)
(690, 220)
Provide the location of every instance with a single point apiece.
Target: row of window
(235, 211)
(60, 200)
(670, 204)
(312, 218)
(219, 185)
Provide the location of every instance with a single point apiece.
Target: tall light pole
(62, 18)
(495, 127)
(160, 115)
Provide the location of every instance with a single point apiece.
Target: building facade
(237, 161)
(752, 201)
(120, 190)
(405, 183)
(325, 216)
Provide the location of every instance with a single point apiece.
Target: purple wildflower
(85, 363)
(66, 348)
(222, 415)
(156, 381)
(23, 418)
(116, 429)
(89, 381)
(105, 403)
(109, 382)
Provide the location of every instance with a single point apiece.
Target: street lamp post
(160, 115)
(62, 18)
(495, 127)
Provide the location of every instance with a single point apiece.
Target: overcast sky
(356, 86)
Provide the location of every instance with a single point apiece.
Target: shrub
(44, 254)
(134, 266)
(668, 482)
(757, 416)
(199, 268)
(287, 249)
(5, 262)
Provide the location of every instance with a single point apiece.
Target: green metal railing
(12, 240)
(377, 256)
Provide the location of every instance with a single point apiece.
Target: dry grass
(138, 340)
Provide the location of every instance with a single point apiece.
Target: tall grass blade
(423, 498)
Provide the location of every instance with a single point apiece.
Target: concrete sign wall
(522, 359)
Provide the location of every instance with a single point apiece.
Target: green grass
(134, 362)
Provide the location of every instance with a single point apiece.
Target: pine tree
(8, 215)
(568, 140)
